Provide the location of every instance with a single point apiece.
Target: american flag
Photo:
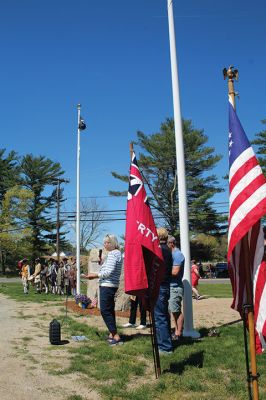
(247, 187)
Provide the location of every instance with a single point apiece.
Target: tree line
(29, 193)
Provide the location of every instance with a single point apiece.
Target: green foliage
(260, 143)
(158, 166)
(9, 169)
(38, 173)
(206, 247)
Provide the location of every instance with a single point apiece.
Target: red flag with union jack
(247, 187)
(143, 264)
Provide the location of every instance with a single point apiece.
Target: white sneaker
(128, 325)
(141, 327)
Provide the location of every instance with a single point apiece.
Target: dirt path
(26, 358)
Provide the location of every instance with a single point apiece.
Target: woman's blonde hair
(162, 233)
(113, 241)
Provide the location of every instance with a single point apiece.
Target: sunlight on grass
(209, 368)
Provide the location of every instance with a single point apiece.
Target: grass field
(15, 291)
(209, 368)
(212, 367)
(219, 290)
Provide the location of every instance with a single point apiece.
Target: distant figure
(201, 271)
(25, 274)
(73, 279)
(195, 276)
(66, 269)
(37, 275)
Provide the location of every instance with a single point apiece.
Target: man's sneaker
(141, 327)
(129, 325)
(165, 353)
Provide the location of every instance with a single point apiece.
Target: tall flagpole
(182, 190)
(78, 206)
(232, 74)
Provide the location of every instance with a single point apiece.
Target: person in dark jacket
(161, 315)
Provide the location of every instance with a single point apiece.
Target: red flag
(144, 265)
(247, 186)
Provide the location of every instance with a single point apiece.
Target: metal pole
(78, 207)
(181, 178)
(57, 221)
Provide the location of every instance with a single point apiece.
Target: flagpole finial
(79, 106)
(231, 74)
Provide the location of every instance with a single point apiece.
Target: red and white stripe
(247, 186)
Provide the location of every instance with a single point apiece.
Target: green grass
(209, 368)
(205, 369)
(221, 290)
(15, 291)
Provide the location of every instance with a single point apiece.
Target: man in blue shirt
(176, 288)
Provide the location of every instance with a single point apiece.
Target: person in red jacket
(195, 276)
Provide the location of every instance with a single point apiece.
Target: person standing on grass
(135, 301)
(195, 276)
(25, 274)
(161, 314)
(109, 276)
(176, 288)
(36, 276)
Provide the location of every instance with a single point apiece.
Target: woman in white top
(109, 276)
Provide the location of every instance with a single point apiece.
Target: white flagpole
(78, 207)
(181, 175)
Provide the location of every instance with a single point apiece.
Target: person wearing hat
(25, 274)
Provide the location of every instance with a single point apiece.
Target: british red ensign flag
(143, 263)
(247, 187)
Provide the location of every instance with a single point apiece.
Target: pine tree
(38, 173)
(158, 166)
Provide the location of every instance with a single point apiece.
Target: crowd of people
(61, 279)
(49, 276)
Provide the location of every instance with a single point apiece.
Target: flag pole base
(191, 333)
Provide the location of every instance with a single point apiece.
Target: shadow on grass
(194, 360)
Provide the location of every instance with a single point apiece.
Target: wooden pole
(232, 74)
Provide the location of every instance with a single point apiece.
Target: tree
(260, 142)
(158, 166)
(38, 173)
(9, 170)
(91, 221)
(14, 229)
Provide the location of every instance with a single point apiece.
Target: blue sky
(113, 58)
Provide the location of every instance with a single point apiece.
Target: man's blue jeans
(107, 306)
(162, 319)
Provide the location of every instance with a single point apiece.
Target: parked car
(221, 270)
